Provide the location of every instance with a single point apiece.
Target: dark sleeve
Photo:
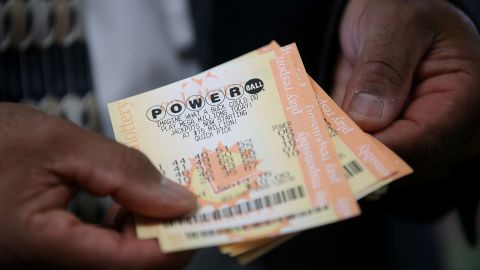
(227, 29)
(331, 47)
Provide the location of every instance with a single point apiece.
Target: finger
(384, 61)
(103, 167)
(123, 221)
(111, 214)
(428, 130)
(73, 244)
(126, 222)
(116, 217)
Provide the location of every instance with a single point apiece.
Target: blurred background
(69, 58)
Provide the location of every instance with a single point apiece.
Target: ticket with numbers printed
(368, 164)
(240, 137)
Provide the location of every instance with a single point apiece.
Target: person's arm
(44, 160)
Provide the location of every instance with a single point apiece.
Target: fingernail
(178, 193)
(365, 105)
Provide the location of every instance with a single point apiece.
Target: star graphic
(197, 81)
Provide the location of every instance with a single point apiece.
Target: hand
(44, 161)
(409, 73)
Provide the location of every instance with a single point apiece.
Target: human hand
(44, 161)
(409, 73)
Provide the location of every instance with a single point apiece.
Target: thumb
(384, 61)
(105, 168)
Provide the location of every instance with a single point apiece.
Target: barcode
(211, 233)
(352, 168)
(276, 198)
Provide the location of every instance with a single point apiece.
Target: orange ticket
(370, 166)
(367, 172)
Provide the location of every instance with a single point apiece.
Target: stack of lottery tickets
(267, 152)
